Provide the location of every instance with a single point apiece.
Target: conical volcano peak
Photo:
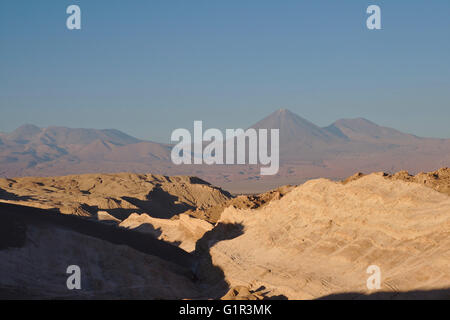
(293, 127)
(283, 117)
(283, 112)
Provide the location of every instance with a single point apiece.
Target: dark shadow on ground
(118, 213)
(211, 278)
(261, 291)
(13, 233)
(198, 266)
(15, 218)
(442, 294)
(5, 195)
(160, 204)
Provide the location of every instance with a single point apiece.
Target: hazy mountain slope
(295, 129)
(24, 133)
(30, 150)
(306, 151)
(361, 129)
(66, 136)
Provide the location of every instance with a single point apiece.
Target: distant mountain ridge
(30, 150)
(361, 129)
(62, 135)
(306, 151)
(295, 128)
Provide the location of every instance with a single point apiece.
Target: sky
(147, 67)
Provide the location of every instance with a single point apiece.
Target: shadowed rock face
(37, 246)
(12, 233)
(115, 263)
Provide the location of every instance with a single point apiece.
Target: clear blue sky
(149, 66)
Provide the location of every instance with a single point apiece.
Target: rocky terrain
(158, 237)
(117, 194)
(321, 237)
(438, 180)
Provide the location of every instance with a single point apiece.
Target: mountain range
(306, 151)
